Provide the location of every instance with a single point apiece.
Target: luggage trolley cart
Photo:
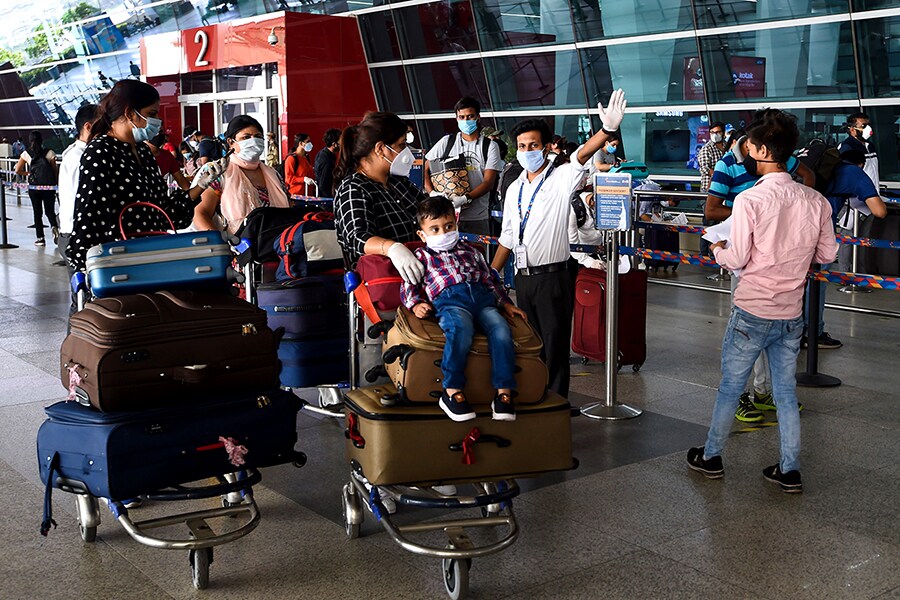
(493, 497)
(235, 490)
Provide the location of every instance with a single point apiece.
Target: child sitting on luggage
(461, 289)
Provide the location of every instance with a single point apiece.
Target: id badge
(521, 256)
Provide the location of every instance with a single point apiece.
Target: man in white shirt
(536, 217)
(483, 165)
(68, 174)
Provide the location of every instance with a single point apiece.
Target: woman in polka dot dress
(117, 169)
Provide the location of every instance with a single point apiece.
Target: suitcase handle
(151, 205)
(192, 374)
(485, 438)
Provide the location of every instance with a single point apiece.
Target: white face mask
(867, 132)
(442, 241)
(194, 144)
(402, 163)
(410, 138)
(716, 138)
(250, 149)
(308, 146)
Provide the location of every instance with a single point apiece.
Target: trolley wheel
(584, 360)
(352, 512)
(456, 577)
(636, 367)
(200, 560)
(88, 534)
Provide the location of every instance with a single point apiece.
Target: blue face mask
(148, 132)
(610, 149)
(467, 126)
(532, 160)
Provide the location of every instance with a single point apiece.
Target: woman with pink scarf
(247, 182)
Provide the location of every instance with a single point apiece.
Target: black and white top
(364, 208)
(110, 178)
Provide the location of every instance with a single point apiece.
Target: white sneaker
(445, 490)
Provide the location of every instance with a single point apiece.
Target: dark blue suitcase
(196, 260)
(121, 455)
(310, 306)
(311, 361)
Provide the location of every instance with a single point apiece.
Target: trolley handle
(485, 438)
(79, 289)
(151, 205)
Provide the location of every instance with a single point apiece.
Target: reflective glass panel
(719, 13)
(436, 28)
(666, 140)
(240, 79)
(197, 83)
(788, 63)
(379, 36)
(436, 87)
(391, 90)
(886, 123)
(596, 20)
(514, 23)
(547, 79)
(879, 56)
(667, 71)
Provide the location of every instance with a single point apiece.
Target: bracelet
(607, 131)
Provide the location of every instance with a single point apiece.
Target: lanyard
(523, 221)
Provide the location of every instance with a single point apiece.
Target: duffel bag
(309, 247)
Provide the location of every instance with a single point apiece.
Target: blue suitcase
(196, 260)
(310, 361)
(121, 455)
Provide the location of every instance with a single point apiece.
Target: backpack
(309, 247)
(821, 160)
(41, 171)
(280, 169)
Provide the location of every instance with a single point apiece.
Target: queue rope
(872, 281)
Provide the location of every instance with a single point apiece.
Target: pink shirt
(778, 229)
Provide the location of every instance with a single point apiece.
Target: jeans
(745, 338)
(762, 383)
(458, 308)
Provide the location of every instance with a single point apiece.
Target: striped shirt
(730, 178)
(464, 263)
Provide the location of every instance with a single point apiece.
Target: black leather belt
(540, 269)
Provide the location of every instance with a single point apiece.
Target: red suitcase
(589, 328)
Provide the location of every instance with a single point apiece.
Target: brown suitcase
(143, 350)
(420, 445)
(415, 368)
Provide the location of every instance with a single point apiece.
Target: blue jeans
(458, 308)
(745, 338)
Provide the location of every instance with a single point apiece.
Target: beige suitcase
(414, 364)
(420, 445)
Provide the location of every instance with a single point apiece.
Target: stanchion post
(854, 265)
(812, 377)
(4, 238)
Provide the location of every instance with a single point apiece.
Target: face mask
(532, 160)
(402, 163)
(442, 241)
(867, 132)
(467, 126)
(716, 138)
(752, 164)
(148, 132)
(194, 144)
(410, 138)
(187, 155)
(610, 149)
(308, 146)
(250, 149)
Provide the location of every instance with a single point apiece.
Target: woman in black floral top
(117, 168)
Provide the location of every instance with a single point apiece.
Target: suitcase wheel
(584, 360)
(456, 577)
(636, 367)
(200, 560)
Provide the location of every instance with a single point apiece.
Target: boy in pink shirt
(779, 228)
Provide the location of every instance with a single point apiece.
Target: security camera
(272, 39)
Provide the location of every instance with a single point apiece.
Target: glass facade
(681, 62)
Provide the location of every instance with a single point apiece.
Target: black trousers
(43, 201)
(547, 300)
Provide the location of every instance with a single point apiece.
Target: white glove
(596, 263)
(614, 112)
(211, 171)
(458, 201)
(309, 181)
(411, 270)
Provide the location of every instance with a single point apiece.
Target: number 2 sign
(199, 45)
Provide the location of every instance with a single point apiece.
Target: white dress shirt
(546, 234)
(68, 184)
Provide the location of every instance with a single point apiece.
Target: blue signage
(612, 200)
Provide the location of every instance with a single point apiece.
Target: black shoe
(502, 408)
(456, 407)
(711, 469)
(826, 342)
(789, 482)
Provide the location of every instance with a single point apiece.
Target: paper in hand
(719, 233)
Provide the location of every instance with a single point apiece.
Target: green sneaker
(767, 402)
(745, 412)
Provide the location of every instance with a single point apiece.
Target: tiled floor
(631, 522)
